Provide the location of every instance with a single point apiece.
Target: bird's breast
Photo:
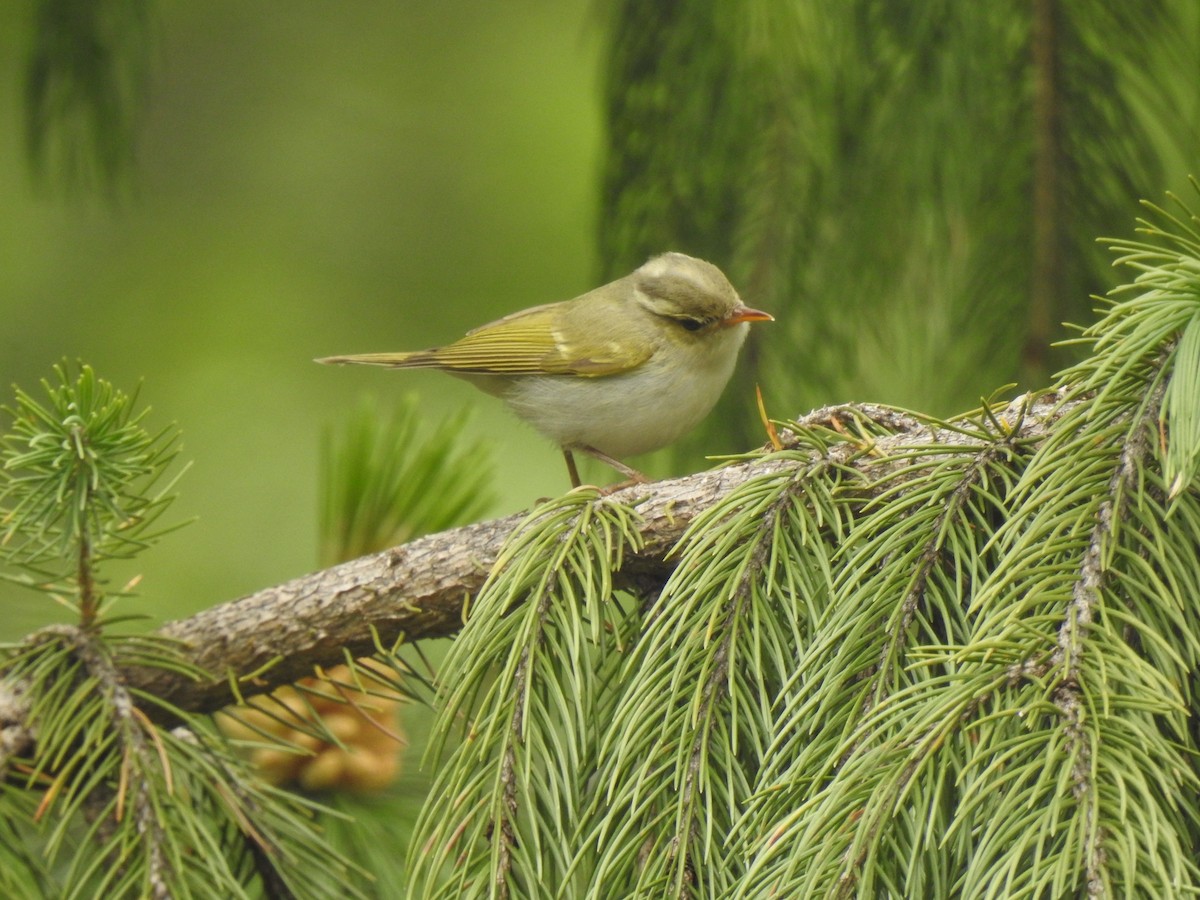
(633, 412)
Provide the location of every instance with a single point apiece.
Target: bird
(626, 368)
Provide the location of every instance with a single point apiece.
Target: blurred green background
(914, 189)
(331, 178)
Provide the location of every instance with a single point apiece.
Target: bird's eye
(691, 324)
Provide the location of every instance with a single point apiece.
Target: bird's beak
(746, 314)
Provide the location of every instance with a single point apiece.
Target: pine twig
(131, 724)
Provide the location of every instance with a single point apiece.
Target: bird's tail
(416, 360)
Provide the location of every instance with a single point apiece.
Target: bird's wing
(535, 342)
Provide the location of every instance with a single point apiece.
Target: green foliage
(128, 808)
(529, 681)
(674, 759)
(913, 657)
(79, 480)
(1168, 269)
(382, 483)
(97, 796)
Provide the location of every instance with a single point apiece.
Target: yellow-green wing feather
(556, 339)
(524, 343)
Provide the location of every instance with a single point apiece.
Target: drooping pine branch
(905, 574)
(134, 735)
(1086, 603)
(1040, 674)
(525, 681)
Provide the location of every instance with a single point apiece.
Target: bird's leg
(634, 476)
(571, 470)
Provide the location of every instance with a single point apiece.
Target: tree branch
(418, 591)
(415, 591)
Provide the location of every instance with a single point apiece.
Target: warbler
(626, 368)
